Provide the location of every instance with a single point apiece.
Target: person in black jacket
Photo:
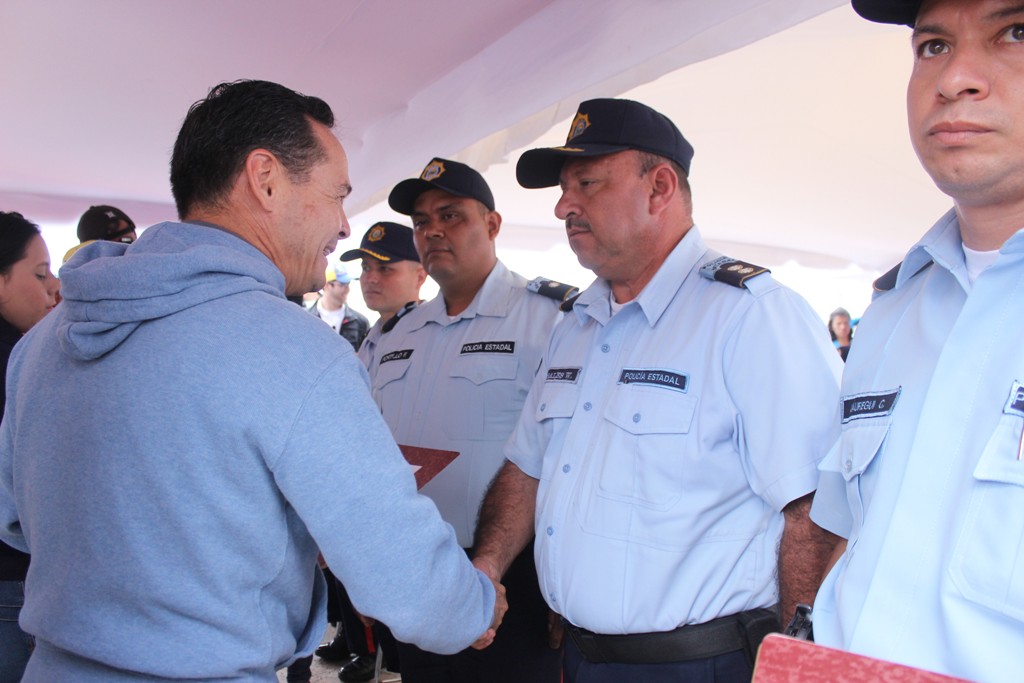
(333, 309)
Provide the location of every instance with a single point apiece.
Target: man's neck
(986, 228)
(459, 295)
(628, 287)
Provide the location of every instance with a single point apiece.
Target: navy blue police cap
(441, 174)
(385, 241)
(606, 126)
(888, 11)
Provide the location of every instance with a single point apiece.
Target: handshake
(555, 627)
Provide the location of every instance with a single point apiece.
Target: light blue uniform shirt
(925, 480)
(367, 350)
(459, 384)
(667, 439)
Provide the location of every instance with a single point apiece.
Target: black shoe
(334, 651)
(358, 670)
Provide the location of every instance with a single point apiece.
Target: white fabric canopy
(94, 92)
(803, 161)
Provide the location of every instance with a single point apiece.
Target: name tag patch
(655, 378)
(489, 347)
(870, 405)
(396, 355)
(1015, 403)
(567, 375)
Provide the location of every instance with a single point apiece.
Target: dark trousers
(519, 653)
(728, 668)
(300, 670)
(358, 637)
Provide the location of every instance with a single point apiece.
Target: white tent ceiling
(799, 137)
(94, 92)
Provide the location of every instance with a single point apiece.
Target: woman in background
(28, 291)
(841, 330)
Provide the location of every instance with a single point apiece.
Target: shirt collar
(491, 300)
(656, 296)
(941, 245)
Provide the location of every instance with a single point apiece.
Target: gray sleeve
(399, 561)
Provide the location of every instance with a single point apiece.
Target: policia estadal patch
(489, 347)
(667, 379)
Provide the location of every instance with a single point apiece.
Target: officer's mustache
(576, 223)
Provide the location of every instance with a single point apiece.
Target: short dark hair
(16, 232)
(649, 160)
(221, 130)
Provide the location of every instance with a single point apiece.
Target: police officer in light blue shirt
(389, 281)
(453, 376)
(927, 478)
(671, 440)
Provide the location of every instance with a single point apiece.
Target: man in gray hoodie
(182, 543)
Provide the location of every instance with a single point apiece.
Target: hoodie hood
(109, 289)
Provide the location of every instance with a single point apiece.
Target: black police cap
(605, 126)
(888, 11)
(441, 174)
(385, 241)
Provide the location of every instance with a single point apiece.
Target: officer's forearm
(505, 524)
(804, 553)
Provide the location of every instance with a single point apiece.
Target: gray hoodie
(179, 439)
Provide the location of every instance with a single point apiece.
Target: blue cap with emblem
(606, 126)
(385, 241)
(888, 11)
(441, 174)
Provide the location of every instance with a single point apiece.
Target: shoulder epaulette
(568, 303)
(551, 289)
(888, 280)
(731, 271)
(390, 325)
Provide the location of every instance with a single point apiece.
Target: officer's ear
(421, 276)
(493, 221)
(664, 186)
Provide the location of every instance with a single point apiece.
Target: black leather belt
(699, 641)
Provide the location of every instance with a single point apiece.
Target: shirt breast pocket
(484, 392)
(988, 564)
(557, 401)
(647, 444)
(857, 447)
(384, 388)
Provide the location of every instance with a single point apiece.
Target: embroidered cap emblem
(376, 233)
(434, 170)
(579, 124)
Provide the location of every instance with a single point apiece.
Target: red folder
(787, 660)
(427, 461)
